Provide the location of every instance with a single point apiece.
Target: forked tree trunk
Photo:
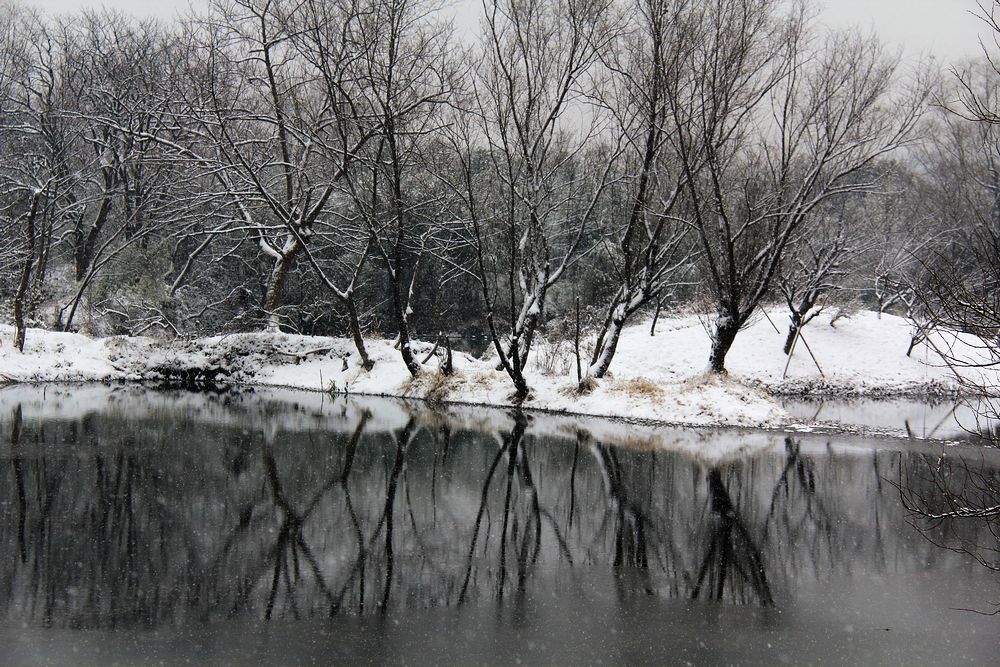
(607, 344)
(86, 243)
(400, 308)
(632, 299)
(799, 317)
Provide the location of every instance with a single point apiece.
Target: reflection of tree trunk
(572, 477)
(510, 448)
(631, 549)
(535, 535)
(290, 539)
(443, 442)
(359, 535)
(22, 504)
(402, 444)
(511, 463)
(731, 548)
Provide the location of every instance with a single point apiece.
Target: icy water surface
(141, 527)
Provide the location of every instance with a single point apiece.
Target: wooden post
(656, 317)
(791, 352)
(576, 343)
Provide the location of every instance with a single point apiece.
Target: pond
(157, 527)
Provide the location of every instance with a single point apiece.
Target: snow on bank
(657, 378)
(861, 355)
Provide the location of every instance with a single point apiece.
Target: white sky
(943, 28)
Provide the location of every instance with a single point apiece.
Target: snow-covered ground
(657, 377)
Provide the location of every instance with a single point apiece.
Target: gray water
(141, 527)
(940, 419)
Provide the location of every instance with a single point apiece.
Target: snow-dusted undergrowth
(657, 378)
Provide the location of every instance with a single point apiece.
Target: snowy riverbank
(657, 378)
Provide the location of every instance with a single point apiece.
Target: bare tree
(650, 252)
(533, 166)
(815, 265)
(405, 76)
(25, 173)
(114, 184)
(265, 116)
(783, 123)
(958, 297)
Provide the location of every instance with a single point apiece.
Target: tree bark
(22, 287)
(273, 297)
(400, 307)
(86, 243)
(605, 352)
(359, 340)
(726, 328)
(793, 330)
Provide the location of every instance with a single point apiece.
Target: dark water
(280, 528)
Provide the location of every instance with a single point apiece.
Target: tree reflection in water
(118, 519)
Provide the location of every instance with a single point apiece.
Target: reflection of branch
(402, 444)
(536, 517)
(952, 498)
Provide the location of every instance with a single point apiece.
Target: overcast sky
(944, 28)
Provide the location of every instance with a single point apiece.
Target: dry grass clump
(640, 387)
(581, 388)
(431, 386)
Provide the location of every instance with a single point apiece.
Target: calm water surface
(141, 527)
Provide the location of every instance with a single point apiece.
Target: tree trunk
(609, 344)
(726, 328)
(86, 243)
(359, 341)
(916, 338)
(22, 287)
(656, 318)
(400, 307)
(520, 386)
(793, 330)
(275, 287)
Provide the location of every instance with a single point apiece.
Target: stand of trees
(351, 167)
